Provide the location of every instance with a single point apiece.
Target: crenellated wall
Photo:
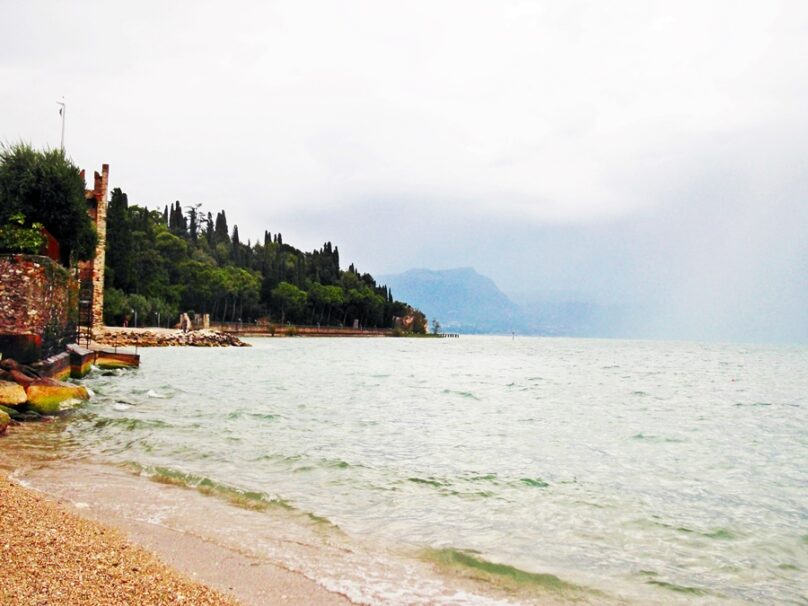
(38, 307)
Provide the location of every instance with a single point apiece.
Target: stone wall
(38, 307)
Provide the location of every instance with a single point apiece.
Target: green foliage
(46, 188)
(194, 261)
(116, 306)
(119, 307)
(16, 237)
(289, 299)
(141, 306)
(418, 321)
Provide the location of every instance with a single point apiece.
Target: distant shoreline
(116, 336)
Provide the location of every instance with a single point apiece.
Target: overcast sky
(639, 153)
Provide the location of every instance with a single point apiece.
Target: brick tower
(91, 273)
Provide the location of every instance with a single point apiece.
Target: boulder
(21, 378)
(48, 396)
(5, 421)
(11, 394)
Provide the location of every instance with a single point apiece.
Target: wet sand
(50, 556)
(54, 553)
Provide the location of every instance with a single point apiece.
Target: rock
(9, 364)
(48, 396)
(21, 378)
(11, 394)
(5, 421)
(13, 413)
(12, 366)
(149, 338)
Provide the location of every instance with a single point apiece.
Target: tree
(45, 187)
(116, 305)
(151, 253)
(119, 233)
(289, 298)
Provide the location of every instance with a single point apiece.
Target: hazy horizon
(637, 154)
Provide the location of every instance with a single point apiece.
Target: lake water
(640, 471)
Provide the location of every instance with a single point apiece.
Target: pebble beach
(50, 556)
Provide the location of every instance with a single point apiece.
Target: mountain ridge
(460, 299)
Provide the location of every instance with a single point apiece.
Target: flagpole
(63, 113)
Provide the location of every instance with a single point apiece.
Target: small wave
(322, 521)
(337, 464)
(655, 438)
(534, 482)
(237, 414)
(129, 423)
(153, 394)
(489, 477)
(677, 588)
(721, 533)
(429, 481)
(468, 565)
(303, 469)
(463, 394)
(120, 406)
(246, 499)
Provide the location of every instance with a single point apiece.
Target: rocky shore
(52, 557)
(113, 336)
(25, 395)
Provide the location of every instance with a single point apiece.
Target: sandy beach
(51, 556)
(55, 553)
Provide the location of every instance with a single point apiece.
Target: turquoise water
(667, 471)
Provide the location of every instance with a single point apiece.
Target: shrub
(44, 187)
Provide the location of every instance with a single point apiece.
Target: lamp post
(63, 114)
(134, 312)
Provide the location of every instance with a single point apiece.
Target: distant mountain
(573, 316)
(460, 299)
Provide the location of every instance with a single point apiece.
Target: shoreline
(274, 566)
(117, 336)
(252, 552)
(97, 555)
(52, 556)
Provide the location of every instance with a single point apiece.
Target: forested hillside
(162, 264)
